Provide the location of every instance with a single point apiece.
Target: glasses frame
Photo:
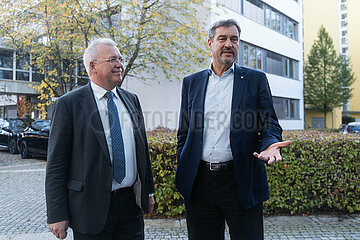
(112, 60)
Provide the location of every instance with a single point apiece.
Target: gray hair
(91, 51)
(222, 23)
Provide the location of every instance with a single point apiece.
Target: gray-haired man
(228, 127)
(98, 176)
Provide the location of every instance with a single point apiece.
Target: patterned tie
(116, 139)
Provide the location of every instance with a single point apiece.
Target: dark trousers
(124, 222)
(213, 201)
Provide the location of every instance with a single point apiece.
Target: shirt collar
(229, 71)
(99, 92)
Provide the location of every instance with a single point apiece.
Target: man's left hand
(151, 204)
(272, 152)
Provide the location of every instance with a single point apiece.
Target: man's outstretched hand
(272, 152)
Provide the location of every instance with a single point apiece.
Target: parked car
(34, 140)
(10, 128)
(352, 127)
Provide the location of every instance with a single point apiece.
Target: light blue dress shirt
(217, 115)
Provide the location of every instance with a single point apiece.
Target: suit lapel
(88, 104)
(238, 88)
(199, 99)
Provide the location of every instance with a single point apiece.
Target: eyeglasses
(112, 60)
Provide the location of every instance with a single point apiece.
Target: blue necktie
(116, 139)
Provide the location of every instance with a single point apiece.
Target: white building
(271, 40)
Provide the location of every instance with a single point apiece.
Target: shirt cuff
(151, 194)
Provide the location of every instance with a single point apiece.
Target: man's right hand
(59, 229)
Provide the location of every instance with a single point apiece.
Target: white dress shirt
(127, 133)
(217, 115)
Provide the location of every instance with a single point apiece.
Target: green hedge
(319, 172)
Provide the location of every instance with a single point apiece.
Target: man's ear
(210, 44)
(92, 67)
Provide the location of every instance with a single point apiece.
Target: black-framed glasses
(112, 60)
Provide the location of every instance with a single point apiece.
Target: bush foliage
(319, 172)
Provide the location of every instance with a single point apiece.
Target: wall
(354, 53)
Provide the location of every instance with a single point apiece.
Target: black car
(10, 128)
(34, 140)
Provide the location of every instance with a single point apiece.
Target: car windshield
(17, 125)
(357, 127)
(41, 124)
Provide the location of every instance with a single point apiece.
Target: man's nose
(119, 64)
(228, 43)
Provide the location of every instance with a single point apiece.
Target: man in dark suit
(227, 130)
(98, 176)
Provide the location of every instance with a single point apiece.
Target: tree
(155, 36)
(328, 77)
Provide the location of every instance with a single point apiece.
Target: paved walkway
(23, 214)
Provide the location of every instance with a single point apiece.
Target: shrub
(162, 148)
(319, 172)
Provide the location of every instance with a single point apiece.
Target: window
(290, 68)
(274, 63)
(22, 67)
(344, 50)
(343, 23)
(6, 74)
(234, 5)
(343, 7)
(246, 55)
(263, 14)
(344, 33)
(6, 59)
(6, 64)
(344, 15)
(253, 9)
(252, 56)
(280, 23)
(270, 62)
(286, 108)
(344, 40)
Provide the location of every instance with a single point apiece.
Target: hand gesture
(272, 152)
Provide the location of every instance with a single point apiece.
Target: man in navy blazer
(227, 130)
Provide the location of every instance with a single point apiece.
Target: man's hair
(91, 51)
(222, 23)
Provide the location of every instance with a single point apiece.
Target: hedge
(319, 172)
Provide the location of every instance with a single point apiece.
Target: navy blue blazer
(253, 127)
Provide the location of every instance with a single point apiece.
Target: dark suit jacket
(253, 127)
(79, 171)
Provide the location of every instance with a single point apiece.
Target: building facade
(271, 41)
(341, 21)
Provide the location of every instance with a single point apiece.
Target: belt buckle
(211, 167)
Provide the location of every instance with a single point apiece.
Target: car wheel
(24, 151)
(12, 146)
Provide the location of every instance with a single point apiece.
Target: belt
(120, 190)
(216, 166)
